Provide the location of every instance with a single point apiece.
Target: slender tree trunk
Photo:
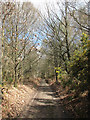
(66, 33)
(12, 36)
(89, 59)
(56, 65)
(65, 64)
(2, 49)
(56, 76)
(15, 68)
(15, 82)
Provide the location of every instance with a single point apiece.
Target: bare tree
(18, 27)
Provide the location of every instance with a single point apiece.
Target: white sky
(40, 3)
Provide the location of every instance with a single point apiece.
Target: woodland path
(45, 104)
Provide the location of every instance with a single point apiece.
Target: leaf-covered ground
(15, 99)
(77, 106)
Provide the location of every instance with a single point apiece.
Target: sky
(40, 3)
(37, 3)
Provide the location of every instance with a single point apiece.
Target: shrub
(78, 65)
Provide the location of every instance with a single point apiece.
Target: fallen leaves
(77, 106)
(15, 100)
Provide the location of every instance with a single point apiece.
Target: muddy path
(45, 104)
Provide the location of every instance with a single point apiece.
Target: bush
(78, 65)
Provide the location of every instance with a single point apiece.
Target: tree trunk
(56, 76)
(15, 68)
(15, 82)
(66, 33)
(89, 59)
(56, 65)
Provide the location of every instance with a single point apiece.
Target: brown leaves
(16, 99)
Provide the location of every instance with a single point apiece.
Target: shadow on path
(45, 105)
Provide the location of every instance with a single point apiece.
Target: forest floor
(45, 104)
(29, 102)
(76, 106)
(15, 99)
(42, 100)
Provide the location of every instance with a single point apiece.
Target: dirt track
(44, 105)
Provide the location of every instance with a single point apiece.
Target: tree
(17, 41)
(58, 33)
